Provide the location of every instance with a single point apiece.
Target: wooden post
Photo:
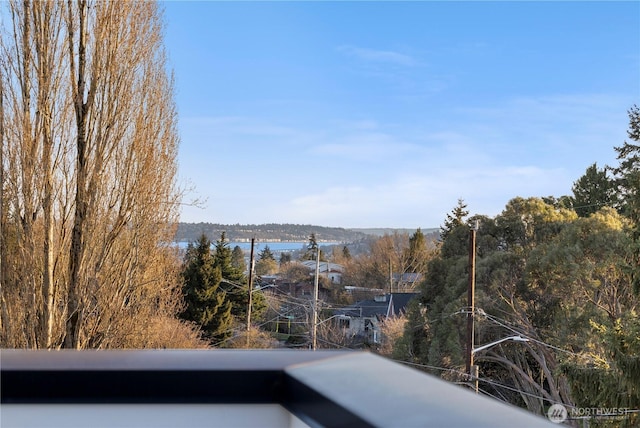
(314, 327)
(471, 300)
(250, 290)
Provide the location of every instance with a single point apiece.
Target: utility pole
(472, 370)
(390, 276)
(314, 327)
(251, 263)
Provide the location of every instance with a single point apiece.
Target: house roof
(324, 266)
(407, 277)
(393, 304)
(400, 302)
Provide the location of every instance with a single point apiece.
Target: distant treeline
(432, 232)
(189, 232)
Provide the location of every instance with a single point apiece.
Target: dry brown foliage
(392, 329)
(89, 201)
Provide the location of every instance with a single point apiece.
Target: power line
(429, 367)
(514, 330)
(501, 385)
(335, 344)
(486, 380)
(510, 388)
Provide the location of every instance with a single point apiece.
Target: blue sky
(383, 114)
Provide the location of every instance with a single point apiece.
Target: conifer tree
(312, 248)
(628, 180)
(417, 255)
(266, 254)
(593, 191)
(628, 171)
(205, 302)
(454, 219)
(435, 333)
(234, 283)
(223, 259)
(266, 264)
(346, 254)
(237, 259)
(285, 258)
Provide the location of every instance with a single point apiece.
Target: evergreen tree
(285, 258)
(237, 259)
(312, 248)
(266, 264)
(266, 254)
(594, 190)
(205, 302)
(628, 171)
(223, 259)
(234, 283)
(561, 202)
(417, 255)
(435, 333)
(346, 254)
(585, 267)
(233, 279)
(454, 219)
(628, 180)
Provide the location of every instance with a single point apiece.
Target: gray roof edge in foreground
(323, 388)
(386, 394)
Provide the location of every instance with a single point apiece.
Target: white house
(331, 271)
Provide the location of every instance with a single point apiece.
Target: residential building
(363, 319)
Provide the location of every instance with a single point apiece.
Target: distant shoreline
(284, 233)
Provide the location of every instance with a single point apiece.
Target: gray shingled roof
(372, 308)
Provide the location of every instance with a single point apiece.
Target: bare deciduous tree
(89, 201)
(393, 263)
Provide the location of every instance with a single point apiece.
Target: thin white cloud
(566, 130)
(367, 125)
(421, 199)
(358, 173)
(379, 56)
(365, 146)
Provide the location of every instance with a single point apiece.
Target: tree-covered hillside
(189, 232)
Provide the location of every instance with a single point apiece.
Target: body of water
(275, 247)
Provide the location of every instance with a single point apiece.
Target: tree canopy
(546, 274)
(593, 191)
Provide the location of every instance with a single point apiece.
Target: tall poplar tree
(89, 146)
